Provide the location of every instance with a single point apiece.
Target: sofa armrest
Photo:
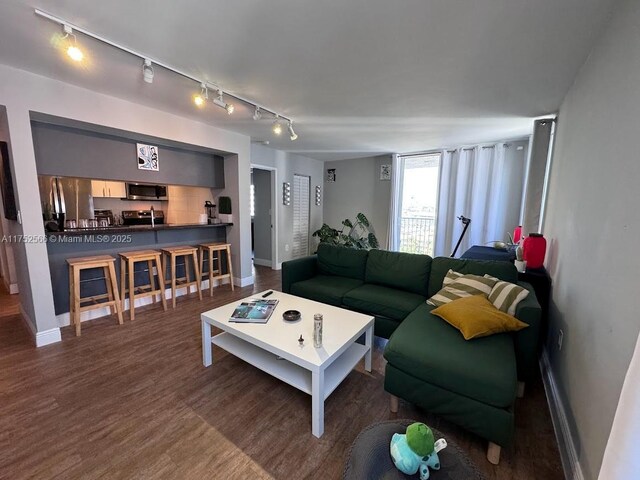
(297, 270)
(526, 340)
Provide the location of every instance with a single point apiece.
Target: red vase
(517, 233)
(534, 249)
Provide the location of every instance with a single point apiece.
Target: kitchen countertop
(136, 228)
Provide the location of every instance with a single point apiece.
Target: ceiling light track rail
(148, 61)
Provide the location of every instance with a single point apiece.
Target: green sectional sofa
(471, 383)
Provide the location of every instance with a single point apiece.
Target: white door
(300, 216)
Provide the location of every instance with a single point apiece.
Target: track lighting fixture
(76, 54)
(277, 128)
(72, 50)
(292, 135)
(219, 101)
(200, 98)
(147, 71)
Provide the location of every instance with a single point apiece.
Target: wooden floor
(134, 401)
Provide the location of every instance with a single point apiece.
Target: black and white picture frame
(385, 172)
(331, 175)
(147, 157)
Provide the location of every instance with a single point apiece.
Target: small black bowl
(291, 315)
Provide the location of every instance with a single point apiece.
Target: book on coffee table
(255, 311)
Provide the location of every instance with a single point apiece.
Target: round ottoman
(369, 457)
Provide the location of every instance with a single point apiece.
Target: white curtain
(393, 239)
(481, 183)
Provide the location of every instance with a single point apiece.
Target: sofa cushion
(404, 271)
(325, 288)
(463, 286)
(383, 301)
(476, 317)
(431, 350)
(441, 265)
(341, 261)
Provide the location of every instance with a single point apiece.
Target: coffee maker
(211, 212)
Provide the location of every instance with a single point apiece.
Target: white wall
(288, 164)
(592, 226)
(358, 188)
(22, 92)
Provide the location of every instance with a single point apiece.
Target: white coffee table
(273, 347)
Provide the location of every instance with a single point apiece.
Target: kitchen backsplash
(185, 204)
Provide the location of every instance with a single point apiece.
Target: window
(418, 202)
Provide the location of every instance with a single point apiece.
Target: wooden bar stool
(185, 251)
(128, 262)
(215, 251)
(76, 265)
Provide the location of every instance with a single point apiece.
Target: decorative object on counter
(286, 194)
(534, 249)
(416, 450)
(361, 235)
(76, 266)
(224, 210)
(72, 224)
(517, 234)
(128, 262)
(173, 253)
(519, 262)
(385, 172)
(318, 195)
(203, 218)
(147, 157)
(214, 259)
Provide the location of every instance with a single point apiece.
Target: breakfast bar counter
(113, 240)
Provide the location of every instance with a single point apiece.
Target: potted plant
(224, 210)
(360, 235)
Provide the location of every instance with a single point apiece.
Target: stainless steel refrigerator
(66, 197)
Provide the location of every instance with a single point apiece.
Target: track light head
(277, 127)
(257, 115)
(219, 101)
(200, 98)
(147, 71)
(292, 134)
(72, 50)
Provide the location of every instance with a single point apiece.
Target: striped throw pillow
(506, 296)
(457, 285)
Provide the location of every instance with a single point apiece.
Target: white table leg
(368, 342)
(317, 403)
(207, 358)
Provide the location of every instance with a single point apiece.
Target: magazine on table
(255, 311)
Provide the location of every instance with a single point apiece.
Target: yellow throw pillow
(476, 317)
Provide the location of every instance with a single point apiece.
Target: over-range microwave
(146, 191)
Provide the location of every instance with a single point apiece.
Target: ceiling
(358, 77)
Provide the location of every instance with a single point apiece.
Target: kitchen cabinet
(108, 189)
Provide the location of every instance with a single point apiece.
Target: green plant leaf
(362, 219)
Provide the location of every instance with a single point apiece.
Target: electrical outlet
(560, 338)
(286, 247)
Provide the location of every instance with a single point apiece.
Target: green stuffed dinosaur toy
(416, 450)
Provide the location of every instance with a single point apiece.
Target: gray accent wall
(73, 152)
(358, 188)
(262, 217)
(591, 224)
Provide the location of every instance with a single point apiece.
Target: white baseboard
(568, 453)
(46, 337)
(262, 262)
(64, 320)
(278, 266)
(243, 282)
